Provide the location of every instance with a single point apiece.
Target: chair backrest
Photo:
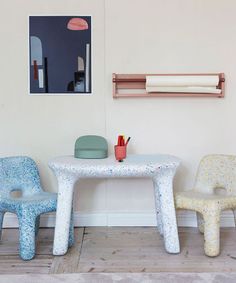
(216, 171)
(19, 173)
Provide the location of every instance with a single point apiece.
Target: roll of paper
(182, 81)
(184, 89)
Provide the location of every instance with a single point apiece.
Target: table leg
(158, 208)
(63, 214)
(163, 187)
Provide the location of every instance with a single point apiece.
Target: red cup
(120, 152)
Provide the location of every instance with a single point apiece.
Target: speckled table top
(132, 162)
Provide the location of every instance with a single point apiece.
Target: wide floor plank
(69, 262)
(11, 263)
(14, 265)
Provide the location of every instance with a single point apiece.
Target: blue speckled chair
(21, 174)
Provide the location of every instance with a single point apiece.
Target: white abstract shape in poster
(40, 76)
(87, 67)
(36, 51)
(79, 87)
(80, 64)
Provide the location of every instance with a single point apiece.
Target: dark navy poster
(60, 54)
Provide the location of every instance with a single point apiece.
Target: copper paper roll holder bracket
(134, 85)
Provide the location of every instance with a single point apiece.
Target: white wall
(129, 36)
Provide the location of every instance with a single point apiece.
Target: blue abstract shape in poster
(60, 54)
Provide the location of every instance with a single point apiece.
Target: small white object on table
(161, 168)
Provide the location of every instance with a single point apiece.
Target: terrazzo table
(161, 168)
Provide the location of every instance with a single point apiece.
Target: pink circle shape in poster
(77, 24)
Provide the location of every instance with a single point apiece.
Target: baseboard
(184, 218)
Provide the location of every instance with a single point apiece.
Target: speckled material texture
(21, 174)
(215, 171)
(161, 168)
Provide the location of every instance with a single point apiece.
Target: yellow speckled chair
(214, 172)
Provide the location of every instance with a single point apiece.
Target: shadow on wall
(87, 190)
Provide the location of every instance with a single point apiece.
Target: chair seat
(193, 199)
(44, 200)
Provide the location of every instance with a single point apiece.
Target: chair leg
(1, 222)
(27, 224)
(212, 233)
(200, 222)
(71, 231)
(37, 224)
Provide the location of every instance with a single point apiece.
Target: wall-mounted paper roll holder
(134, 85)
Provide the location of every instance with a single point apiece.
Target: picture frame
(60, 55)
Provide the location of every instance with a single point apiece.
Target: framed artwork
(60, 55)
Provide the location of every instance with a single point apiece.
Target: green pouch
(91, 147)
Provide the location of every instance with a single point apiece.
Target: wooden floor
(119, 249)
